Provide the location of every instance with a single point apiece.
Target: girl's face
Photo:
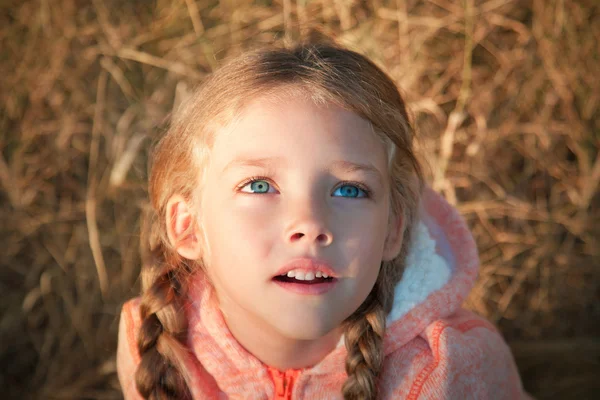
(289, 181)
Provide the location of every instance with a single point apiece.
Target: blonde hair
(326, 73)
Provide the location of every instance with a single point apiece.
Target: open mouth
(306, 282)
(306, 276)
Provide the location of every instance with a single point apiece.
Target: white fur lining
(426, 271)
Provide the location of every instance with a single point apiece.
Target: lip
(307, 264)
(307, 289)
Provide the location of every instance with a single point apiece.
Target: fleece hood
(441, 269)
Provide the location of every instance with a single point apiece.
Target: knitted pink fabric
(434, 349)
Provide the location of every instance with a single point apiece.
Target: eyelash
(343, 183)
(253, 179)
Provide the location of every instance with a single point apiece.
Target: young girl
(294, 251)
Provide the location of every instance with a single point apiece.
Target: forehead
(298, 128)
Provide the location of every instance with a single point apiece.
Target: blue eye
(350, 191)
(257, 186)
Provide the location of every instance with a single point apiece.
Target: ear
(182, 228)
(393, 241)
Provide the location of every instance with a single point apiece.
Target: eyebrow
(348, 166)
(340, 165)
(265, 162)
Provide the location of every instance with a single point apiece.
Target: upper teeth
(306, 276)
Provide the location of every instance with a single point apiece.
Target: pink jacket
(433, 348)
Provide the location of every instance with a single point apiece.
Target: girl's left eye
(350, 191)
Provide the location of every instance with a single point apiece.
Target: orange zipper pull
(279, 381)
(289, 379)
(284, 383)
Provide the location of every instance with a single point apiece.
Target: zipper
(284, 382)
(285, 392)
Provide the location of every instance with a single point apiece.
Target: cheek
(244, 228)
(252, 223)
(366, 231)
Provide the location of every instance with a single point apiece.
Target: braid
(160, 375)
(364, 340)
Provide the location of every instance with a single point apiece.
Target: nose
(309, 227)
(322, 239)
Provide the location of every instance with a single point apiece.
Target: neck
(276, 350)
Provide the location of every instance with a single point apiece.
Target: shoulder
(128, 357)
(462, 356)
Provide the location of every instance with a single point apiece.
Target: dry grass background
(505, 94)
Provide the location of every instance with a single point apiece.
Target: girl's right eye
(259, 186)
